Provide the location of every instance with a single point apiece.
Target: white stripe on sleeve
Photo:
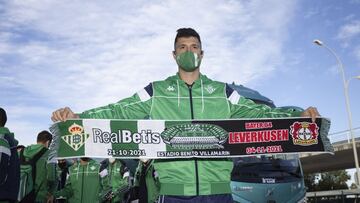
(143, 95)
(5, 150)
(234, 97)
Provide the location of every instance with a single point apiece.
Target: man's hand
(63, 114)
(310, 112)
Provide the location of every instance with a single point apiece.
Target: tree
(334, 180)
(310, 182)
(353, 186)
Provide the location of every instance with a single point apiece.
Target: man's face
(184, 44)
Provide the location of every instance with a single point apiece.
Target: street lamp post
(346, 92)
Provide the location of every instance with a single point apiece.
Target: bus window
(268, 178)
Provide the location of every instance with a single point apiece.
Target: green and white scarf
(161, 139)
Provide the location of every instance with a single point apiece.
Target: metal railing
(342, 137)
(334, 196)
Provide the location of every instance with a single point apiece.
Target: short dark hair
(3, 117)
(20, 147)
(186, 32)
(44, 136)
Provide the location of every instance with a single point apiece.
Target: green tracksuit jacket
(116, 180)
(173, 99)
(9, 166)
(83, 183)
(45, 182)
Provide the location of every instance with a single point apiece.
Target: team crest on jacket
(77, 137)
(304, 133)
(195, 136)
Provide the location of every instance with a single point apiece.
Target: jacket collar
(176, 77)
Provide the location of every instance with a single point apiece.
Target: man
(62, 172)
(187, 95)
(115, 181)
(9, 162)
(83, 183)
(45, 180)
(20, 147)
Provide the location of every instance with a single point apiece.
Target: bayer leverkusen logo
(304, 133)
(77, 137)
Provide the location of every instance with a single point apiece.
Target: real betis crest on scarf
(77, 137)
(158, 139)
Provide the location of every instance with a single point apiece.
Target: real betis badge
(195, 136)
(77, 137)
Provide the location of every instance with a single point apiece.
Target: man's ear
(174, 54)
(47, 143)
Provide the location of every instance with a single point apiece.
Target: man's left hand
(310, 112)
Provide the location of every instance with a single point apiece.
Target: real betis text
(125, 136)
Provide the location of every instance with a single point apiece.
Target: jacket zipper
(82, 186)
(195, 159)
(191, 102)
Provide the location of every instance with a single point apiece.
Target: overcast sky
(85, 54)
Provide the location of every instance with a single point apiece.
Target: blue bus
(273, 178)
(269, 179)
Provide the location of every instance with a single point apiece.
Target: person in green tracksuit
(146, 185)
(114, 181)
(62, 172)
(9, 162)
(45, 182)
(83, 183)
(186, 95)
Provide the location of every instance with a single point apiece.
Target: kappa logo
(304, 133)
(77, 137)
(170, 88)
(210, 89)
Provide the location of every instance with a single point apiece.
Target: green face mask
(188, 61)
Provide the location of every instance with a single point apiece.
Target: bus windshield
(279, 168)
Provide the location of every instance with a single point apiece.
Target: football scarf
(163, 139)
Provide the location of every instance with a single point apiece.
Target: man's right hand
(63, 114)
